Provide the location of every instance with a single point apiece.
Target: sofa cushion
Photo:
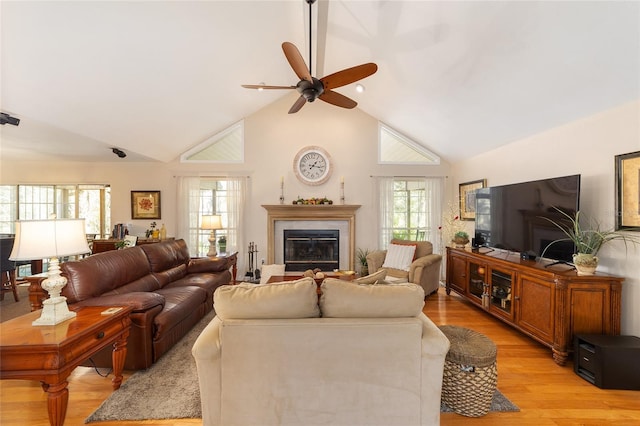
(344, 299)
(372, 278)
(208, 264)
(287, 299)
(167, 255)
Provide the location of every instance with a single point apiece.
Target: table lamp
(212, 222)
(50, 238)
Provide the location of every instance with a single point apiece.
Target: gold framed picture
(628, 191)
(467, 194)
(145, 205)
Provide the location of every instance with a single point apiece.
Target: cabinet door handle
(585, 358)
(100, 335)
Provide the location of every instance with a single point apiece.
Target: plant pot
(223, 247)
(585, 264)
(460, 242)
(364, 270)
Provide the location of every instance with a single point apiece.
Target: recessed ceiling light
(359, 88)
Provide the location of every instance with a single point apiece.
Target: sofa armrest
(208, 264)
(435, 347)
(375, 259)
(140, 301)
(425, 271)
(207, 353)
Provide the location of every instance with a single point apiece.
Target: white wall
(587, 147)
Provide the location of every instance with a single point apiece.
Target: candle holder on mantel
(342, 191)
(282, 190)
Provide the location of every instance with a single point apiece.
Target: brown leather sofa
(169, 292)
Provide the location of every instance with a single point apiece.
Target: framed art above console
(145, 205)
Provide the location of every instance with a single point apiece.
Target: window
(224, 147)
(32, 202)
(200, 196)
(409, 209)
(395, 148)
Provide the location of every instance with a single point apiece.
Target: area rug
(169, 389)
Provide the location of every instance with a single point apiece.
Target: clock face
(312, 165)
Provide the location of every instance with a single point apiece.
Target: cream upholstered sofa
(360, 355)
(423, 267)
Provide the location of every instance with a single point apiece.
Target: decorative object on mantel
(341, 189)
(460, 239)
(211, 222)
(313, 201)
(281, 189)
(51, 238)
(588, 239)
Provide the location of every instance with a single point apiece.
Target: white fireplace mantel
(293, 212)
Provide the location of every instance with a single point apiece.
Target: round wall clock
(312, 165)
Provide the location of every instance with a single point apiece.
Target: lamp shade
(39, 239)
(211, 221)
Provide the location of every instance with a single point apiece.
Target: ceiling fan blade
(349, 75)
(296, 61)
(299, 103)
(262, 86)
(338, 99)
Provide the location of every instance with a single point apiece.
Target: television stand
(551, 306)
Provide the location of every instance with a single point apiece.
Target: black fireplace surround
(311, 248)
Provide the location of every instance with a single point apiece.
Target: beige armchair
(424, 270)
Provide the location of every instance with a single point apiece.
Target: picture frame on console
(627, 167)
(467, 195)
(145, 205)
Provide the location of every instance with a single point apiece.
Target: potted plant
(460, 239)
(222, 244)
(588, 239)
(361, 254)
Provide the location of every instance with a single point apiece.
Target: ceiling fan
(311, 88)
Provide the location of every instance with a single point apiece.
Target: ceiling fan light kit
(312, 88)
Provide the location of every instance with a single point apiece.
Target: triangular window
(226, 146)
(395, 148)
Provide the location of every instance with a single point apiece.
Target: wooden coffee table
(50, 353)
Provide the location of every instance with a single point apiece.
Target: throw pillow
(399, 256)
(286, 299)
(342, 299)
(372, 278)
(270, 270)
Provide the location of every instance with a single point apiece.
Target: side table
(50, 353)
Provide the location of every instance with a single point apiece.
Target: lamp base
(54, 311)
(212, 246)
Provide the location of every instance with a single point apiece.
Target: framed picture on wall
(467, 193)
(145, 205)
(628, 191)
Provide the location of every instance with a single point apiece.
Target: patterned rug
(169, 389)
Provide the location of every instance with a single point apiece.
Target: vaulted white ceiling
(157, 78)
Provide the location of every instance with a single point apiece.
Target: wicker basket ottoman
(470, 373)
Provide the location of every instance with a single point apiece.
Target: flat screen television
(512, 217)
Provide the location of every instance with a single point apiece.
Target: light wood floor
(546, 393)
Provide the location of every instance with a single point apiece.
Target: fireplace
(341, 217)
(311, 248)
